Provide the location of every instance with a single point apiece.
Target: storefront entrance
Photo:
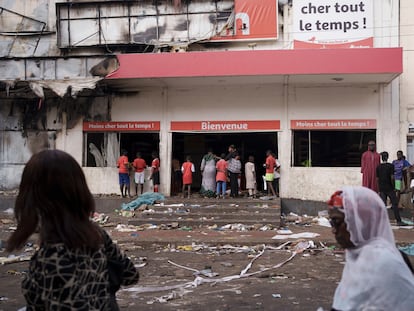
(196, 145)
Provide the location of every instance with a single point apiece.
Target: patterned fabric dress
(64, 279)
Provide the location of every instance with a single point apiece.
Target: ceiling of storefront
(132, 84)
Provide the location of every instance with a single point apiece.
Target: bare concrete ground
(306, 282)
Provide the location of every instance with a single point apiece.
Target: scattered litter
(284, 231)
(401, 227)
(146, 227)
(9, 211)
(276, 295)
(207, 272)
(125, 228)
(200, 280)
(324, 222)
(173, 295)
(185, 248)
(238, 227)
(185, 228)
(173, 225)
(266, 228)
(323, 213)
(171, 205)
(13, 259)
(6, 221)
(3, 298)
(296, 236)
(100, 218)
(126, 213)
(148, 198)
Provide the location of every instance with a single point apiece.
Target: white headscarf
(375, 276)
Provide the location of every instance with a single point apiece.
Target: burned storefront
(180, 77)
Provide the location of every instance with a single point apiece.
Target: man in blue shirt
(400, 174)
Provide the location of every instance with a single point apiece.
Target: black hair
(55, 199)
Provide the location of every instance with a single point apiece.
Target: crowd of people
(220, 174)
(389, 180)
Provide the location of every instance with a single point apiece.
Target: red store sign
(333, 124)
(125, 126)
(225, 126)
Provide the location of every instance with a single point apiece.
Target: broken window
(330, 148)
(141, 22)
(102, 149)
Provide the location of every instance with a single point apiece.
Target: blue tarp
(409, 250)
(146, 198)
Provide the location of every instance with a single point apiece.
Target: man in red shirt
(155, 171)
(123, 166)
(270, 170)
(139, 165)
(370, 160)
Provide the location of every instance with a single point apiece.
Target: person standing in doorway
(139, 165)
(400, 173)
(221, 176)
(250, 174)
(270, 167)
(177, 176)
(155, 171)
(123, 166)
(385, 178)
(208, 172)
(233, 169)
(187, 170)
(370, 159)
(276, 177)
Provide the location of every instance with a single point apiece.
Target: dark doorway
(197, 144)
(145, 143)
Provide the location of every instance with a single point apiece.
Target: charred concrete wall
(31, 125)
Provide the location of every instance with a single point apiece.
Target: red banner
(253, 20)
(225, 126)
(129, 126)
(333, 124)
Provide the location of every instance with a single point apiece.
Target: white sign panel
(333, 24)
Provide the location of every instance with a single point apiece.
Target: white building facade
(311, 81)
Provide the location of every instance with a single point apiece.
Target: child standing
(187, 169)
(140, 165)
(123, 166)
(221, 176)
(250, 173)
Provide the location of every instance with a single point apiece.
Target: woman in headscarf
(375, 276)
(208, 172)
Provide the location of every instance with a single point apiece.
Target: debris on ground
(100, 218)
(210, 279)
(14, 258)
(296, 236)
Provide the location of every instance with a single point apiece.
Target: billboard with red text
(333, 24)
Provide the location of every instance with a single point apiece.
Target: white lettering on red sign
(224, 126)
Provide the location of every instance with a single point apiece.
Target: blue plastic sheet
(409, 250)
(146, 198)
